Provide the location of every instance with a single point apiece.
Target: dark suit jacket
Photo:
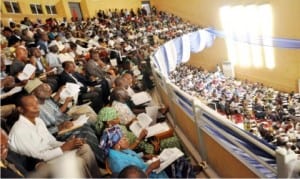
(64, 78)
(42, 46)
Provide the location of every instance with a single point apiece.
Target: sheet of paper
(27, 72)
(144, 120)
(157, 129)
(113, 62)
(11, 92)
(81, 120)
(168, 156)
(141, 98)
(15, 90)
(70, 90)
(76, 124)
(152, 111)
(136, 128)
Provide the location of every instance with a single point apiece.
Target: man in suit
(43, 43)
(95, 68)
(89, 91)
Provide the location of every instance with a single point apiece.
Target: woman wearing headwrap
(108, 117)
(120, 156)
(116, 146)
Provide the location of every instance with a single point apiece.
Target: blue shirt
(118, 160)
(52, 116)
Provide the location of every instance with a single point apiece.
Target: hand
(143, 134)
(69, 99)
(60, 90)
(73, 143)
(65, 125)
(148, 156)
(154, 165)
(8, 82)
(40, 165)
(43, 76)
(91, 88)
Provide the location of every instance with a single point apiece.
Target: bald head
(119, 94)
(21, 53)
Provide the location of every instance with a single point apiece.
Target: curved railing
(231, 151)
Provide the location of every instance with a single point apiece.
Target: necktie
(77, 82)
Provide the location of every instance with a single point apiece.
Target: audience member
(43, 145)
(57, 120)
(89, 91)
(132, 171)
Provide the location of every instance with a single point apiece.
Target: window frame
(52, 9)
(36, 8)
(13, 9)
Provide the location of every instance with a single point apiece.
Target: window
(51, 9)
(246, 27)
(12, 7)
(36, 9)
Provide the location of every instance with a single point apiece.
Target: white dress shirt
(33, 140)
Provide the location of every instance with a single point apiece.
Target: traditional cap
(107, 114)
(110, 137)
(32, 85)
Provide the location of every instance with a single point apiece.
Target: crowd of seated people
(76, 66)
(265, 112)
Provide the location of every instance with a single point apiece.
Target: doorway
(146, 6)
(75, 11)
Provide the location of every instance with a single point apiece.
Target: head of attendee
(28, 106)
(132, 171)
(21, 53)
(107, 116)
(36, 52)
(111, 139)
(14, 41)
(121, 83)
(7, 32)
(129, 77)
(53, 47)
(69, 67)
(39, 89)
(120, 95)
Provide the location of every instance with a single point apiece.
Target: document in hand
(167, 157)
(113, 62)
(11, 92)
(157, 129)
(27, 72)
(80, 121)
(70, 90)
(140, 98)
(143, 121)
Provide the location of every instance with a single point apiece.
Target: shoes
(199, 168)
